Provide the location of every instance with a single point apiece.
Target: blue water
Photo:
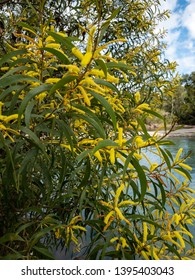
(188, 144)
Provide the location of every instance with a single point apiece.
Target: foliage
(182, 103)
(73, 141)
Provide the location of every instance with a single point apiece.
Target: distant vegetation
(181, 105)
(78, 81)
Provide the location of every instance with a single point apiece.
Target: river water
(188, 144)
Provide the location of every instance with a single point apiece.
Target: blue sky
(180, 37)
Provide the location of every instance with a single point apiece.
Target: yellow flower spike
(112, 156)
(118, 192)
(53, 45)
(155, 255)
(121, 216)
(178, 154)
(75, 220)
(118, 247)
(79, 227)
(72, 68)
(86, 59)
(85, 96)
(97, 73)
(112, 79)
(181, 173)
(112, 240)
(77, 53)
(120, 136)
(49, 39)
(98, 156)
(52, 80)
(106, 204)
(57, 233)
(1, 105)
(123, 242)
(186, 166)
(176, 218)
(127, 202)
(174, 177)
(137, 156)
(145, 232)
(153, 166)
(11, 118)
(90, 39)
(139, 142)
(108, 216)
(144, 254)
(179, 237)
(137, 97)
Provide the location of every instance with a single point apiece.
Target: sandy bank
(184, 131)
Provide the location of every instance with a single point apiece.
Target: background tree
(182, 103)
(72, 130)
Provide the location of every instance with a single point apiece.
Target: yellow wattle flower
(86, 59)
(137, 97)
(52, 80)
(120, 136)
(98, 156)
(77, 53)
(11, 118)
(85, 96)
(186, 166)
(112, 156)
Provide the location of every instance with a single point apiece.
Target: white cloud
(168, 5)
(180, 37)
(188, 19)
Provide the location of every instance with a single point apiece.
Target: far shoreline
(178, 131)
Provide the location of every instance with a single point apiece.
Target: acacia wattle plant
(73, 141)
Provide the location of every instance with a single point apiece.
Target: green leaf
(103, 66)
(29, 157)
(7, 57)
(127, 161)
(144, 129)
(142, 177)
(31, 94)
(163, 194)
(61, 83)
(40, 234)
(16, 69)
(26, 26)
(28, 110)
(9, 90)
(103, 144)
(89, 113)
(9, 237)
(6, 81)
(65, 41)
(82, 155)
(106, 84)
(114, 14)
(151, 112)
(120, 65)
(67, 132)
(62, 57)
(106, 105)
(44, 251)
(166, 158)
(29, 134)
(94, 123)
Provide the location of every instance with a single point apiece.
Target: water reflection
(188, 144)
